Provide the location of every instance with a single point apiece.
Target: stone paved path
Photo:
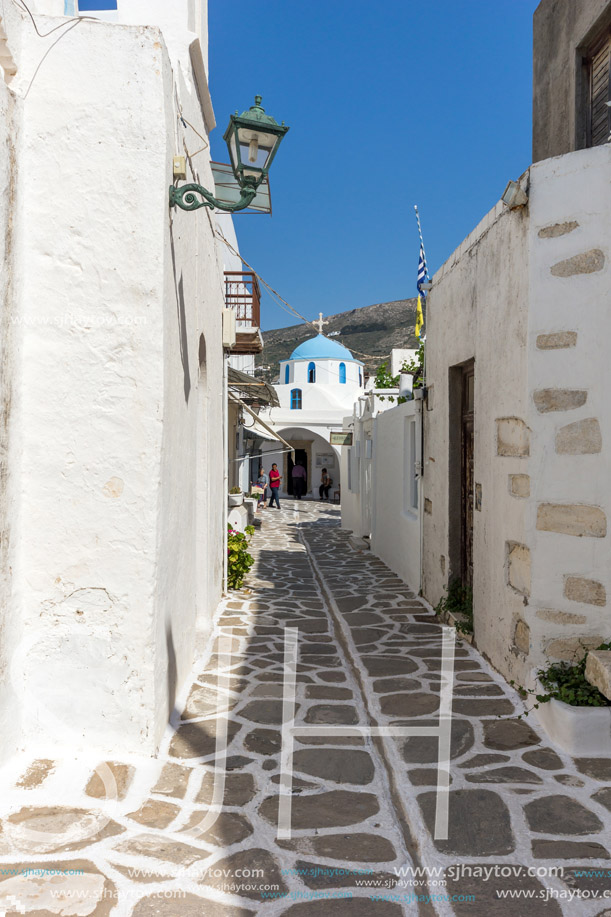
(362, 807)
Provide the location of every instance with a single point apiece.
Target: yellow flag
(419, 318)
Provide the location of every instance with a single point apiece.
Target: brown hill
(372, 330)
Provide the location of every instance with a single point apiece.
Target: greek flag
(422, 271)
(422, 276)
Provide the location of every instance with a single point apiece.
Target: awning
(264, 425)
(253, 389)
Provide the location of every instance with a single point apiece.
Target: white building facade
(381, 471)
(113, 504)
(317, 387)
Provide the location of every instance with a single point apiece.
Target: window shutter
(599, 93)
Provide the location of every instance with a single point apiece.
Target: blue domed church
(317, 388)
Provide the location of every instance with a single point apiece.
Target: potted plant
(573, 713)
(236, 497)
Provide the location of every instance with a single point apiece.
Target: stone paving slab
(135, 837)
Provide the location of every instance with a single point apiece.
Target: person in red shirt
(274, 485)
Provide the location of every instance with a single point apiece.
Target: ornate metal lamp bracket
(185, 198)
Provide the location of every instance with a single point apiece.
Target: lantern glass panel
(232, 151)
(256, 147)
(253, 155)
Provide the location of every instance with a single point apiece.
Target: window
(342, 373)
(296, 399)
(599, 74)
(311, 372)
(360, 378)
(410, 477)
(93, 6)
(287, 372)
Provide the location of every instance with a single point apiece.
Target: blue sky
(390, 104)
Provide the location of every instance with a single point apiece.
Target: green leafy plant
(384, 379)
(416, 367)
(458, 601)
(566, 682)
(239, 560)
(236, 490)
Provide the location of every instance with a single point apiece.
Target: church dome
(321, 348)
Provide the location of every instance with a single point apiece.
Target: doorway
(467, 476)
(301, 458)
(461, 490)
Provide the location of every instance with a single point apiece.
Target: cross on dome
(320, 323)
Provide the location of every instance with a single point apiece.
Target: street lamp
(253, 139)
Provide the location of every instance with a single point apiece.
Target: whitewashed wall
(381, 497)
(10, 346)
(478, 309)
(119, 524)
(396, 500)
(526, 295)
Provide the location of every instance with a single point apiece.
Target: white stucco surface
(10, 122)
(381, 498)
(519, 278)
(478, 310)
(117, 520)
(396, 485)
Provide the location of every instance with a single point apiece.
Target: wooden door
(467, 474)
(599, 113)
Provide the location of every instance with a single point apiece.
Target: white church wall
(111, 563)
(320, 455)
(327, 372)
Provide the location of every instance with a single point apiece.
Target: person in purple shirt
(298, 475)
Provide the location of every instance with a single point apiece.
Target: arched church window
(342, 373)
(287, 373)
(296, 399)
(311, 372)
(360, 378)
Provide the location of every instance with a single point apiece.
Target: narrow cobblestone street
(369, 654)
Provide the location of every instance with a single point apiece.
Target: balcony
(243, 295)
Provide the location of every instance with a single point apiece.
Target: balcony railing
(242, 294)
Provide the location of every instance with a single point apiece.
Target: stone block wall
(477, 311)
(569, 377)
(542, 471)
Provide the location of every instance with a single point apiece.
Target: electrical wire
(185, 123)
(67, 26)
(24, 7)
(283, 303)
